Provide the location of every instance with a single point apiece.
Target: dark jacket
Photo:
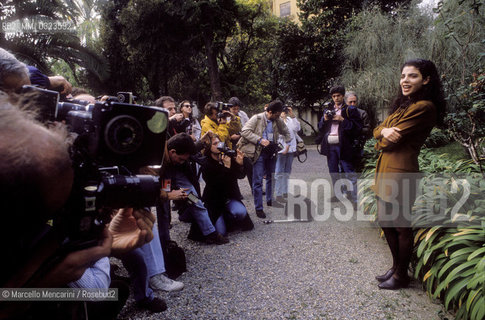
(221, 185)
(349, 129)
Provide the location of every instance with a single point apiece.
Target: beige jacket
(252, 132)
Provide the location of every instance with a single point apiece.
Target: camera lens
(123, 134)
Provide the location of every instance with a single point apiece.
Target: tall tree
(59, 41)
(310, 55)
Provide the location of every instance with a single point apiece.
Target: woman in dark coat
(221, 195)
(417, 109)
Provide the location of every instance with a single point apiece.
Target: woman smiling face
(411, 80)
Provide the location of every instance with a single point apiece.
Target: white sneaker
(162, 282)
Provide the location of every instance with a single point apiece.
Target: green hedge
(450, 261)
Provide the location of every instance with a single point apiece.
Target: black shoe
(195, 234)
(216, 238)
(260, 214)
(385, 276)
(154, 305)
(394, 284)
(269, 203)
(247, 224)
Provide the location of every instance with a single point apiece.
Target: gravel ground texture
(293, 270)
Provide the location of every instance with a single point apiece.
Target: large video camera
(112, 140)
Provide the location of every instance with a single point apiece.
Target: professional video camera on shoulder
(112, 141)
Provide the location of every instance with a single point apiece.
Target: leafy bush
(437, 138)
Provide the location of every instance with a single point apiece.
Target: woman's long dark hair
(432, 91)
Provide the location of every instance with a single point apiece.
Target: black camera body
(330, 113)
(221, 146)
(221, 107)
(111, 141)
(126, 97)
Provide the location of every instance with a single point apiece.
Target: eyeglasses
(187, 105)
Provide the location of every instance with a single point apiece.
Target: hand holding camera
(178, 117)
(240, 157)
(329, 114)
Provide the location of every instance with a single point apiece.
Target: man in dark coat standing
(339, 127)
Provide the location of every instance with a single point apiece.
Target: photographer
(222, 196)
(181, 181)
(174, 118)
(36, 178)
(258, 140)
(215, 120)
(190, 124)
(339, 127)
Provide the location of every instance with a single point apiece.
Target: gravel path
(316, 270)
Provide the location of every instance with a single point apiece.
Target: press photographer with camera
(168, 103)
(222, 197)
(259, 142)
(36, 179)
(339, 127)
(217, 120)
(190, 125)
(182, 182)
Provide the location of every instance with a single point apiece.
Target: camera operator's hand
(338, 117)
(178, 194)
(60, 83)
(235, 137)
(131, 228)
(178, 117)
(229, 114)
(287, 148)
(264, 142)
(290, 113)
(207, 137)
(226, 160)
(240, 157)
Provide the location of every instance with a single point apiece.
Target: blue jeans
(153, 255)
(163, 222)
(134, 262)
(197, 212)
(282, 172)
(336, 165)
(264, 165)
(235, 211)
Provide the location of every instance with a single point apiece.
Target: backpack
(175, 262)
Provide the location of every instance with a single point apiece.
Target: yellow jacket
(223, 131)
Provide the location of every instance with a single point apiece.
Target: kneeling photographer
(222, 197)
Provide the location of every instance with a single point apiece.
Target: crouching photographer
(222, 197)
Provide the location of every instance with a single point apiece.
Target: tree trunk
(215, 81)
